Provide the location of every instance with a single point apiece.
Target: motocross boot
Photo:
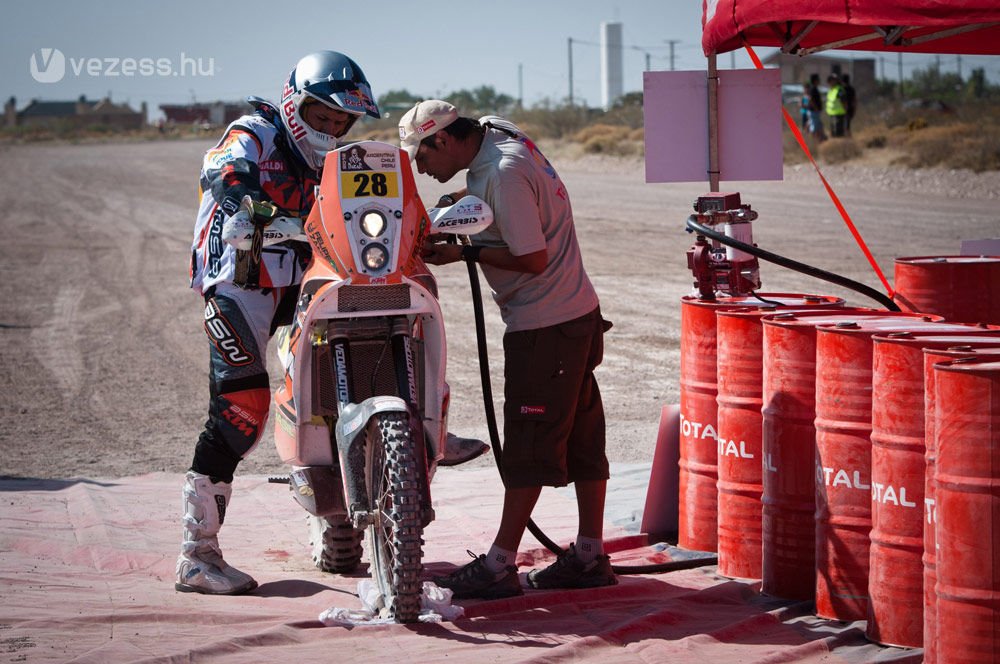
(459, 450)
(200, 567)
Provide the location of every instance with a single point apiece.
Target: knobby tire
(336, 544)
(394, 538)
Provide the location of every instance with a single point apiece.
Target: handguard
(238, 230)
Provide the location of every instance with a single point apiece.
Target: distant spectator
(804, 107)
(835, 107)
(850, 101)
(815, 107)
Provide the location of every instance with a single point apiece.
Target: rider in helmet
(272, 155)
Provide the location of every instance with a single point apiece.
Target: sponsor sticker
(532, 410)
(380, 184)
(353, 159)
(271, 165)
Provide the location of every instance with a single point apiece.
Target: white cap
(425, 119)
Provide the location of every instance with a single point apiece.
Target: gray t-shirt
(531, 212)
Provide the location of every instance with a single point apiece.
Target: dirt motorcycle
(361, 416)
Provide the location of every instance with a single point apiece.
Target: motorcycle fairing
(333, 228)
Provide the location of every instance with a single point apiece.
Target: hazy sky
(173, 52)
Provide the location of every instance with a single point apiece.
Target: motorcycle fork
(404, 359)
(352, 453)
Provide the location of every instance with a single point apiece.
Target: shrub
(960, 145)
(608, 139)
(838, 150)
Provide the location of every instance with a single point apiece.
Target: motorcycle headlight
(375, 256)
(372, 224)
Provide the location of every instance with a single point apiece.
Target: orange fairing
(367, 179)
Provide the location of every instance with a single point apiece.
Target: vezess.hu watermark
(50, 65)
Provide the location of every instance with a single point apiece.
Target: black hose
(491, 424)
(491, 415)
(694, 227)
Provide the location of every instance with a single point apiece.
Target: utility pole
(900, 66)
(732, 59)
(520, 85)
(960, 67)
(570, 48)
(671, 42)
(649, 67)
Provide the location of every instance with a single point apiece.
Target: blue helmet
(334, 80)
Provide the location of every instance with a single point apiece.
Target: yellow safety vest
(834, 105)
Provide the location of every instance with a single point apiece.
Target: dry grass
(966, 136)
(962, 145)
(839, 150)
(921, 136)
(99, 133)
(616, 140)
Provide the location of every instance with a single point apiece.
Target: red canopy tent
(969, 27)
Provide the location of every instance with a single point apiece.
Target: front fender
(352, 421)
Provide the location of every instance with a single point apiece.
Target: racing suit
(245, 301)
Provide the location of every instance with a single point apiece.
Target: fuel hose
(694, 227)
(491, 423)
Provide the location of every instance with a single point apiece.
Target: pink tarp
(774, 22)
(86, 571)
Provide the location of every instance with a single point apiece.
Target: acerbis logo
(48, 66)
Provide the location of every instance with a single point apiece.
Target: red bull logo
(288, 109)
(357, 99)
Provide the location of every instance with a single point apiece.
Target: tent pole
(713, 124)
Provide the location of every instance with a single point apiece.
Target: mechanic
(554, 427)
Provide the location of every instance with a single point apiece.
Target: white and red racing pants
(239, 323)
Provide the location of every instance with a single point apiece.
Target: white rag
(435, 606)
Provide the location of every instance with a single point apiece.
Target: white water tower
(612, 63)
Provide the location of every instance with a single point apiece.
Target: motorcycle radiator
(372, 367)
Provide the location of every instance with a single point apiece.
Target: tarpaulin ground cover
(86, 575)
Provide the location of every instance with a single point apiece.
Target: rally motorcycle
(361, 416)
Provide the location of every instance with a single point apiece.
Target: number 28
(371, 185)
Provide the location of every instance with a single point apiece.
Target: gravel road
(104, 360)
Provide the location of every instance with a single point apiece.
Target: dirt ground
(104, 360)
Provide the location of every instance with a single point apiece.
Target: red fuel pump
(718, 268)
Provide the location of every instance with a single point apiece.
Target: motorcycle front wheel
(394, 538)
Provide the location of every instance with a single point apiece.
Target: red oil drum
(698, 499)
(895, 580)
(740, 365)
(789, 448)
(967, 484)
(959, 288)
(969, 347)
(843, 462)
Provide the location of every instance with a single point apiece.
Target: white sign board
(675, 107)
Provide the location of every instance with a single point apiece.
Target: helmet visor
(354, 97)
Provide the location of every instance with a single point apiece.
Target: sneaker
(476, 581)
(459, 450)
(568, 571)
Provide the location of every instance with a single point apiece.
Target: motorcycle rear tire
(336, 544)
(394, 539)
